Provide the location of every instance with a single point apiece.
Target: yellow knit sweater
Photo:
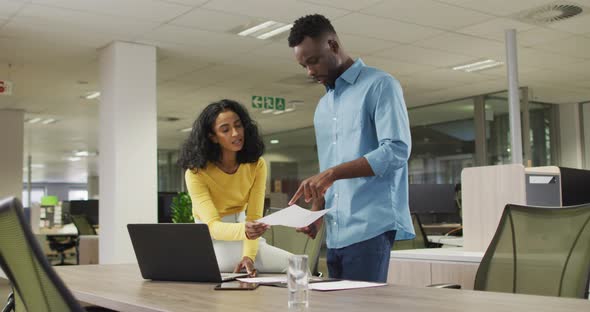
(216, 194)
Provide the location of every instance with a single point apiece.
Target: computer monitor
(89, 208)
(164, 203)
(66, 216)
(434, 203)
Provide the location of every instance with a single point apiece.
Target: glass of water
(298, 282)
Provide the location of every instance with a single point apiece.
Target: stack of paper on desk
(341, 285)
(293, 216)
(278, 279)
(315, 283)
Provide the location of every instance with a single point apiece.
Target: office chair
(36, 287)
(297, 243)
(539, 251)
(60, 244)
(83, 225)
(419, 242)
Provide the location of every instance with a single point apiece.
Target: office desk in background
(446, 240)
(440, 228)
(120, 287)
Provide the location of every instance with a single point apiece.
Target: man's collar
(352, 73)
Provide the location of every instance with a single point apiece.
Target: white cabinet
(422, 267)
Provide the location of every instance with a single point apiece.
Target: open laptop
(176, 252)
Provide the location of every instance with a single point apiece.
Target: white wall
(570, 136)
(11, 154)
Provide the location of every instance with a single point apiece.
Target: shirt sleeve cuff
(377, 161)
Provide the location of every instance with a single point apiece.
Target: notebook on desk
(176, 252)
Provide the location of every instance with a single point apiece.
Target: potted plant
(182, 209)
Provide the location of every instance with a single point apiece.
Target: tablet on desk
(236, 285)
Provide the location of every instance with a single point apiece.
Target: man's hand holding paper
(293, 216)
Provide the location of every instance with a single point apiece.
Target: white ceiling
(52, 46)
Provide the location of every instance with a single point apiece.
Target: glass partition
(443, 142)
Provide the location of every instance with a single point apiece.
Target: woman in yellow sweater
(225, 177)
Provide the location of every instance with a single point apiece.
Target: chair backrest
(419, 242)
(83, 225)
(541, 251)
(36, 286)
(297, 243)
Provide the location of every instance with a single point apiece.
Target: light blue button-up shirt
(365, 116)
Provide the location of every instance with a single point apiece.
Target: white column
(513, 97)
(128, 146)
(11, 157)
(93, 192)
(570, 136)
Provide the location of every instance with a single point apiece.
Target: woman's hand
(248, 265)
(254, 229)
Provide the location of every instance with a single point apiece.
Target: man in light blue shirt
(363, 140)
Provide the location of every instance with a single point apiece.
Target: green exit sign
(268, 102)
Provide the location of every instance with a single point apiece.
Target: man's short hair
(313, 26)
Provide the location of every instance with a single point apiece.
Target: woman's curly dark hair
(198, 148)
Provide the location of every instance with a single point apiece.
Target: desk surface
(442, 225)
(456, 241)
(455, 254)
(67, 229)
(121, 287)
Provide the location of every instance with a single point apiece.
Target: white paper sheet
(273, 279)
(341, 285)
(264, 280)
(293, 216)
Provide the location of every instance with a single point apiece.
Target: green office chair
(83, 225)
(419, 242)
(540, 251)
(36, 286)
(297, 243)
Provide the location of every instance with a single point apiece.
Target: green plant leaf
(182, 209)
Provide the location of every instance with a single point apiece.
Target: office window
(77, 194)
(443, 142)
(542, 135)
(291, 157)
(36, 194)
(541, 132)
(170, 175)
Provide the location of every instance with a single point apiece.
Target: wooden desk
(453, 241)
(121, 287)
(439, 228)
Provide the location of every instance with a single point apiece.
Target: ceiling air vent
(551, 13)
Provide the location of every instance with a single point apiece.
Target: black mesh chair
(36, 286)
(540, 251)
(61, 244)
